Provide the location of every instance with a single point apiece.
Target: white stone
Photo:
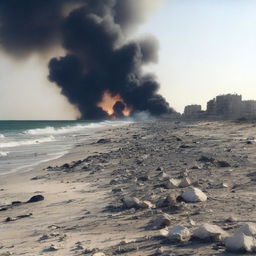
(99, 254)
(172, 183)
(194, 195)
(210, 232)
(240, 242)
(179, 233)
(248, 229)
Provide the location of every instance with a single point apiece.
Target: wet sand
(83, 209)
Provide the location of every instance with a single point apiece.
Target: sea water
(24, 144)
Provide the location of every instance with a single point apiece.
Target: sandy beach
(84, 210)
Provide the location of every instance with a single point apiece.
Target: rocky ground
(129, 185)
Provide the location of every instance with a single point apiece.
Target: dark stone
(206, 159)
(8, 219)
(103, 141)
(16, 202)
(36, 198)
(65, 166)
(223, 164)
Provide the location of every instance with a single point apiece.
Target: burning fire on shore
(114, 105)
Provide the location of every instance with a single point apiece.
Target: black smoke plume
(98, 60)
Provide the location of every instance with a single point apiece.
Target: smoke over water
(101, 73)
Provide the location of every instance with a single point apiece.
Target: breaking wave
(62, 130)
(12, 144)
(2, 136)
(2, 153)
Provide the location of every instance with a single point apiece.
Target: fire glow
(108, 102)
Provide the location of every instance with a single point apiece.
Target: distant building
(249, 109)
(192, 111)
(229, 106)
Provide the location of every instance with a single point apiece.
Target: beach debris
(210, 232)
(134, 202)
(9, 219)
(223, 164)
(159, 169)
(52, 248)
(231, 219)
(240, 242)
(194, 195)
(172, 183)
(163, 176)
(146, 205)
(177, 234)
(206, 159)
(99, 254)
(248, 229)
(103, 141)
(35, 198)
(169, 201)
(185, 182)
(161, 221)
(131, 202)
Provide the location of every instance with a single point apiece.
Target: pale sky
(207, 47)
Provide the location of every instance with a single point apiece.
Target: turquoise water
(24, 144)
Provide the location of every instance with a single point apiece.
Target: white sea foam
(2, 136)
(65, 129)
(52, 130)
(2, 153)
(12, 144)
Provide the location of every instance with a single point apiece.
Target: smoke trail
(98, 60)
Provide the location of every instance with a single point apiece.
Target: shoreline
(83, 190)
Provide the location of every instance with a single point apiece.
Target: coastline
(82, 207)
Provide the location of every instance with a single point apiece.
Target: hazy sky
(207, 48)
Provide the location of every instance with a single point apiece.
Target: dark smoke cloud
(98, 57)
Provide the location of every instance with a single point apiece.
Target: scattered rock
(103, 141)
(146, 205)
(179, 234)
(248, 229)
(99, 254)
(185, 182)
(223, 164)
(206, 159)
(194, 195)
(210, 232)
(131, 202)
(161, 221)
(240, 243)
(36, 198)
(52, 248)
(172, 183)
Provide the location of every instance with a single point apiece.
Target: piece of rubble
(179, 234)
(146, 205)
(131, 202)
(35, 199)
(240, 242)
(163, 176)
(161, 221)
(248, 229)
(99, 254)
(210, 232)
(194, 195)
(185, 182)
(169, 201)
(172, 183)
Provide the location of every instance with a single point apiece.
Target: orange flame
(108, 101)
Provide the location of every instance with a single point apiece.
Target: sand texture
(109, 196)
